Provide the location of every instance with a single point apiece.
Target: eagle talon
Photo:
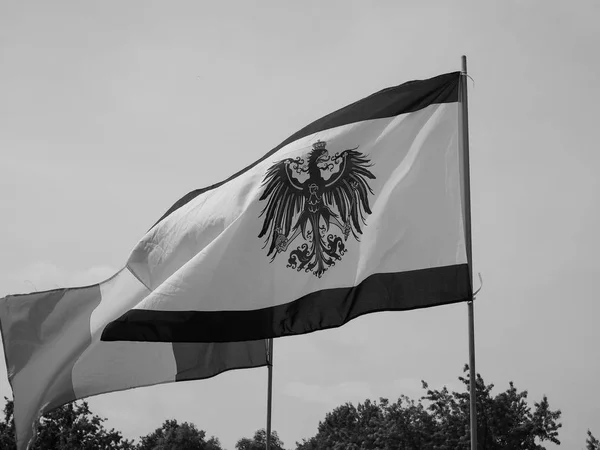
(282, 246)
(281, 242)
(347, 229)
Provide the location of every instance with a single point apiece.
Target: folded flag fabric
(54, 354)
(363, 210)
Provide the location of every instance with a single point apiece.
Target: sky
(110, 111)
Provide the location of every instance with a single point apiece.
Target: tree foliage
(70, 427)
(74, 427)
(7, 426)
(440, 421)
(259, 441)
(591, 442)
(175, 436)
(374, 425)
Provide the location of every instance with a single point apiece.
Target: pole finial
(464, 64)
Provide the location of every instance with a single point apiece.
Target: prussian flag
(363, 210)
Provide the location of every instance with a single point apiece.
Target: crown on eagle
(319, 145)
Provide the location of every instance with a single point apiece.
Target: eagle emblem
(306, 196)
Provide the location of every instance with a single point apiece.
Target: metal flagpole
(269, 390)
(467, 187)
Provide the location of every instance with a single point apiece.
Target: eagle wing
(348, 189)
(285, 199)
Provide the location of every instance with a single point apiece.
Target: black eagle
(311, 206)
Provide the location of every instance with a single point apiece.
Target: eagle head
(319, 153)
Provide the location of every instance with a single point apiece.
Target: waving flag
(361, 211)
(54, 354)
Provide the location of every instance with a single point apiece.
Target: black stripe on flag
(329, 308)
(404, 98)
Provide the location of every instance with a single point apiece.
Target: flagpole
(467, 187)
(269, 391)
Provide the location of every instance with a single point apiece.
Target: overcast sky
(110, 111)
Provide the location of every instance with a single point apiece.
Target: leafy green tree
(440, 421)
(592, 442)
(405, 424)
(503, 421)
(259, 441)
(175, 436)
(7, 426)
(70, 427)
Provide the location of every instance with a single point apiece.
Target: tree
(504, 421)
(405, 424)
(592, 442)
(7, 426)
(440, 421)
(174, 436)
(259, 441)
(70, 427)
